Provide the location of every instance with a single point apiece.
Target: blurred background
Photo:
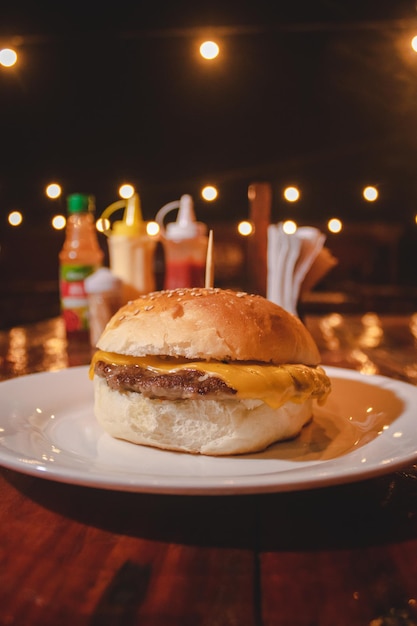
(318, 99)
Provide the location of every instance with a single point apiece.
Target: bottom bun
(199, 426)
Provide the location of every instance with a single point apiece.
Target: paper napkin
(296, 262)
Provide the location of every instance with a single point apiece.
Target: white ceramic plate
(47, 428)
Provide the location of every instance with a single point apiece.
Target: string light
(334, 225)
(53, 191)
(209, 193)
(58, 222)
(209, 50)
(103, 225)
(245, 228)
(152, 228)
(291, 194)
(370, 193)
(8, 57)
(289, 227)
(15, 218)
(126, 191)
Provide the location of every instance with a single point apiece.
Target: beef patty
(184, 384)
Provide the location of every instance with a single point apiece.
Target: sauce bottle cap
(132, 223)
(185, 226)
(80, 203)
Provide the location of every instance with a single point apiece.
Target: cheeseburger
(206, 371)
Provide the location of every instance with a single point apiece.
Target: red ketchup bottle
(185, 245)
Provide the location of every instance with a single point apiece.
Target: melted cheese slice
(273, 384)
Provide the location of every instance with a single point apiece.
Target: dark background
(321, 94)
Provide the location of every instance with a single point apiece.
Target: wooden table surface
(338, 555)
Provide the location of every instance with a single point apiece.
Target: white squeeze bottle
(131, 249)
(185, 245)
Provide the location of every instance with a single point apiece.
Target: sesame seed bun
(209, 324)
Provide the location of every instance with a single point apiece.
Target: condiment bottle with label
(131, 248)
(80, 256)
(185, 245)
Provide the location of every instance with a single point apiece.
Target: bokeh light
(334, 225)
(292, 194)
(53, 190)
(289, 227)
(8, 57)
(15, 218)
(152, 228)
(209, 50)
(209, 193)
(370, 193)
(59, 222)
(245, 228)
(126, 191)
(103, 225)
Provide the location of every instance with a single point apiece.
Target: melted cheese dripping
(273, 384)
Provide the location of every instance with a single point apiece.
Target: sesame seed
(149, 307)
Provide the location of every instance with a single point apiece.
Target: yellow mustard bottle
(131, 248)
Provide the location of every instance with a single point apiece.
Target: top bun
(209, 324)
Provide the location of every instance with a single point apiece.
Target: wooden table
(339, 555)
